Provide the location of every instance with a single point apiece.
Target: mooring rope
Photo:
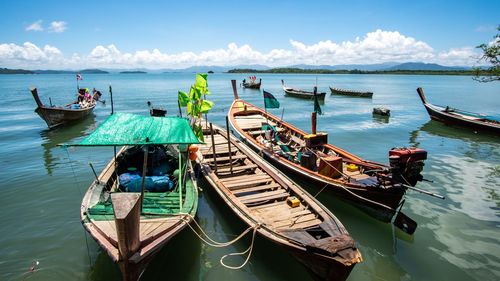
(81, 195)
(211, 242)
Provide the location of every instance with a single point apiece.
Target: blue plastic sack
(131, 182)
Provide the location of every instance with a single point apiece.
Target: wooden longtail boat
(58, 115)
(351, 93)
(133, 217)
(453, 116)
(252, 84)
(301, 93)
(280, 210)
(309, 158)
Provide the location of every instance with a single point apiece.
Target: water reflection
(380, 119)
(441, 130)
(51, 138)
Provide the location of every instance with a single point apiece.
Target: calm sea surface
(457, 238)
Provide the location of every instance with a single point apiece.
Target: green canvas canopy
(131, 129)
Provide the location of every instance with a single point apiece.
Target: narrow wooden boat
(133, 217)
(457, 117)
(309, 158)
(301, 93)
(252, 84)
(351, 93)
(281, 211)
(58, 115)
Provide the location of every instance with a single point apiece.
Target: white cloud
(29, 55)
(57, 26)
(36, 26)
(375, 47)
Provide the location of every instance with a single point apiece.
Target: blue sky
(163, 34)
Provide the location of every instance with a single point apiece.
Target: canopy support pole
(180, 180)
(144, 170)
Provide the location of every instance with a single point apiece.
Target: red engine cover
(412, 153)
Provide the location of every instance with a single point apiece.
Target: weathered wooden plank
(237, 168)
(225, 158)
(294, 221)
(244, 178)
(251, 197)
(273, 197)
(266, 206)
(248, 183)
(283, 216)
(255, 188)
(306, 224)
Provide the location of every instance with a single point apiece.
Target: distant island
(15, 71)
(133, 72)
(210, 72)
(357, 71)
(24, 71)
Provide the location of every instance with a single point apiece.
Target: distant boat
(135, 206)
(278, 209)
(454, 116)
(252, 83)
(351, 93)
(58, 115)
(301, 93)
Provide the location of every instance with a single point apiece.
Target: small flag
(79, 77)
(317, 108)
(270, 101)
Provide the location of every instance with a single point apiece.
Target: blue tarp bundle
(131, 182)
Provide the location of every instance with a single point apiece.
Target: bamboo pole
(213, 146)
(229, 145)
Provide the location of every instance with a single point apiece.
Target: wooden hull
(303, 94)
(380, 202)
(55, 117)
(155, 230)
(251, 85)
(270, 215)
(351, 93)
(451, 118)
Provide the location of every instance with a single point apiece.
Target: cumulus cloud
(36, 26)
(29, 55)
(375, 47)
(57, 26)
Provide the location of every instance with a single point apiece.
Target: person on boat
(96, 94)
(81, 95)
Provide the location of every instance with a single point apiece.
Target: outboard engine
(406, 164)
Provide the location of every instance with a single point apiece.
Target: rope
(249, 250)
(209, 241)
(81, 195)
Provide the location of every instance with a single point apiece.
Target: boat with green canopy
(146, 194)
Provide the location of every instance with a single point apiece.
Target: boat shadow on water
(439, 129)
(53, 137)
(377, 240)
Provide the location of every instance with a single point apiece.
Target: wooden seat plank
(237, 168)
(255, 188)
(270, 195)
(248, 183)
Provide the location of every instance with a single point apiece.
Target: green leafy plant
(196, 104)
(491, 54)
